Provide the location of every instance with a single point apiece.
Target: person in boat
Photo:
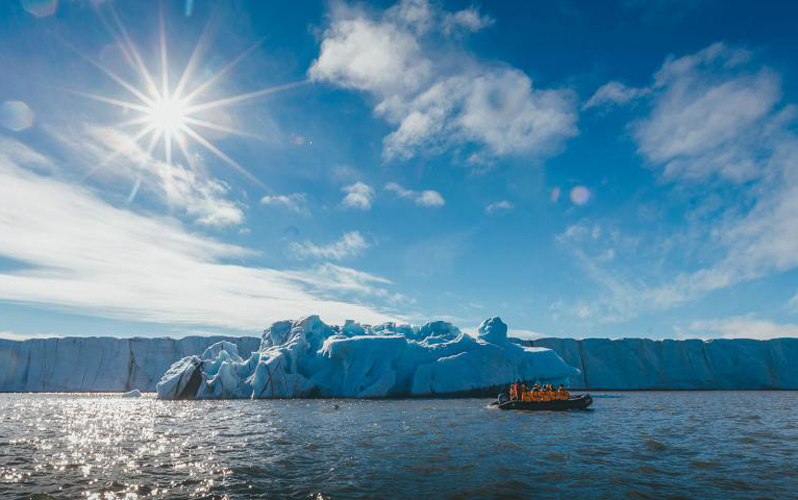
(515, 391)
(562, 393)
(535, 395)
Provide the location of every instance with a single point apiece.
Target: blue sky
(579, 169)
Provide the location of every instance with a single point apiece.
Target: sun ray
(199, 47)
(181, 143)
(167, 144)
(137, 185)
(142, 68)
(135, 190)
(164, 57)
(213, 149)
(222, 128)
(123, 150)
(110, 100)
(133, 121)
(244, 97)
(216, 76)
(166, 114)
(113, 76)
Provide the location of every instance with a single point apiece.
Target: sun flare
(171, 114)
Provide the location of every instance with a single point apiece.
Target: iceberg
(308, 358)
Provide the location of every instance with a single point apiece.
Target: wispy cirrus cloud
(741, 327)
(715, 124)
(351, 244)
(79, 253)
(295, 202)
(107, 156)
(440, 99)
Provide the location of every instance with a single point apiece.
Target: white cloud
(469, 20)
(295, 202)
(185, 188)
(425, 198)
(9, 335)
(703, 125)
(614, 93)
(81, 254)
(743, 327)
(358, 195)
(716, 127)
(499, 206)
(525, 334)
(440, 99)
(351, 244)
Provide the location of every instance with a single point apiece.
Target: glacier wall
(78, 364)
(116, 365)
(640, 364)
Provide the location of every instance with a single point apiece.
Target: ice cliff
(308, 358)
(118, 365)
(78, 364)
(636, 364)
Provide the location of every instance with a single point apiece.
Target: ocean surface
(630, 445)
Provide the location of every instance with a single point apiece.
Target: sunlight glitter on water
(699, 445)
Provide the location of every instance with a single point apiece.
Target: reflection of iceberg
(308, 358)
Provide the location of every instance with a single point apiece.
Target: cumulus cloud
(425, 198)
(358, 195)
(439, 99)
(499, 206)
(77, 252)
(295, 202)
(351, 244)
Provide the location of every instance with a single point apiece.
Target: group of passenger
(547, 392)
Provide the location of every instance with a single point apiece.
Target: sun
(171, 115)
(167, 116)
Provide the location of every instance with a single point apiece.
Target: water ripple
(637, 445)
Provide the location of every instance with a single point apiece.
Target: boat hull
(579, 402)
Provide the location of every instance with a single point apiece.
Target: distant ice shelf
(308, 358)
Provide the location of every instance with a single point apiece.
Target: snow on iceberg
(308, 358)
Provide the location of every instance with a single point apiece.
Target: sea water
(638, 445)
